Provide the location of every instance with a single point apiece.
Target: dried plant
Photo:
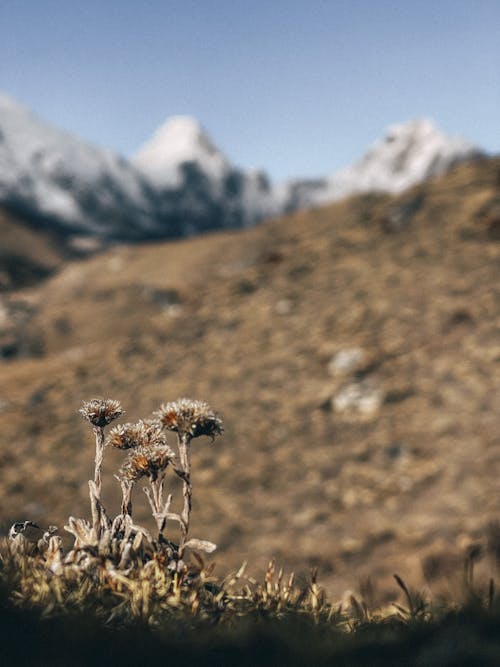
(149, 457)
(99, 413)
(149, 572)
(189, 419)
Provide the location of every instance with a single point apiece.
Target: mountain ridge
(179, 183)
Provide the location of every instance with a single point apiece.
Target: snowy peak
(407, 154)
(51, 174)
(178, 184)
(179, 140)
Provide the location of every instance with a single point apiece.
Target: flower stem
(184, 442)
(99, 455)
(126, 498)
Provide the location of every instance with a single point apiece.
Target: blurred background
(289, 210)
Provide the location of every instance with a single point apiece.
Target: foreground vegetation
(195, 619)
(120, 593)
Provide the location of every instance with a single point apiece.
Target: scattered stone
(346, 361)
(361, 400)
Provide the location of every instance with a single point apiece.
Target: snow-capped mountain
(179, 140)
(52, 175)
(180, 183)
(408, 154)
(180, 155)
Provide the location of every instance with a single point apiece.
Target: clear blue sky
(296, 87)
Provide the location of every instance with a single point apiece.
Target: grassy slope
(26, 254)
(249, 322)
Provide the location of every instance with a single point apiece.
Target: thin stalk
(99, 455)
(160, 509)
(184, 442)
(126, 508)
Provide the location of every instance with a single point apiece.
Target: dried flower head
(143, 434)
(159, 456)
(188, 417)
(153, 434)
(135, 467)
(101, 412)
(147, 461)
(125, 436)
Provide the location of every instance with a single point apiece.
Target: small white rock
(363, 399)
(346, 361)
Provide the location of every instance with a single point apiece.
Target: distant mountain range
(180, 183)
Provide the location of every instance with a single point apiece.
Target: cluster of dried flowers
(149, 456)
(120, 541)
(117, 568)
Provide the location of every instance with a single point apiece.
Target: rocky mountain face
(179, 183)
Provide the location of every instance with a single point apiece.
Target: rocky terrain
(353, 352)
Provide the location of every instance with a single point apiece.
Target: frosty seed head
(190, 418)
(145, 433)
(101, 412)
(147, 461)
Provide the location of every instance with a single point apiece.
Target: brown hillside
(363, 462)
(26, 255)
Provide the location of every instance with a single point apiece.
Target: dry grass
(118, 569)
(116, 582)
